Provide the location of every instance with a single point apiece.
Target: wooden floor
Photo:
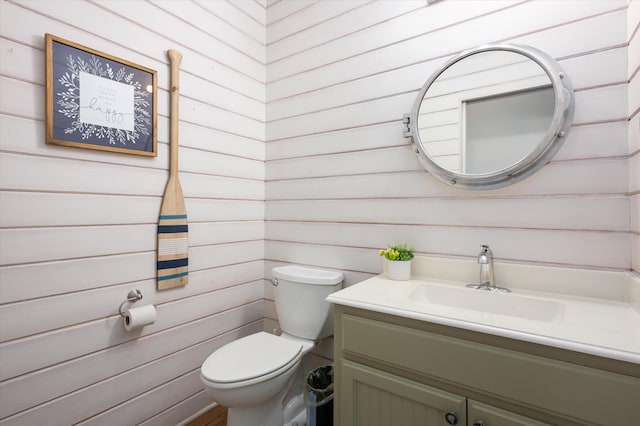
(214, 417)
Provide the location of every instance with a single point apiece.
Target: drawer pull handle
(451, 418)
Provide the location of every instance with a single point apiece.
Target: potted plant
(398, 261)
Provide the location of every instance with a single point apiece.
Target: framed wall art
(98, 101)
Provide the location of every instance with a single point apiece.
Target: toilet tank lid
(306, 275)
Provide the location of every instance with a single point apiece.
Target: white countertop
(598, 326)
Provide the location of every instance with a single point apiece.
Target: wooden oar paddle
(173, 231)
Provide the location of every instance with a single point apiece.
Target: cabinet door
(485, 415)
(372, 397)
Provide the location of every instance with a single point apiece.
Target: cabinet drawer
(483, 414)
(568, 390)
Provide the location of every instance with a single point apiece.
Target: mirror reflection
(486, 112)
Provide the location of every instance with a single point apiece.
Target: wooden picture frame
(98, 101)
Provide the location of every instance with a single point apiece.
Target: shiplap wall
(342, 182)
(633, 30)
(77, 227)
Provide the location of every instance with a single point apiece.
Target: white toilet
(253, 376)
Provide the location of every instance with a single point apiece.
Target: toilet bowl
(250, 376)
(253, 376)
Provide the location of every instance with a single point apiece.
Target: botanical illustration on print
(113, 96)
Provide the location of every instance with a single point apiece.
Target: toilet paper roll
(139, 317)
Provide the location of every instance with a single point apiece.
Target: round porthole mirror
(491, 116)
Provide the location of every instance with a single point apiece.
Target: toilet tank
(300, 294)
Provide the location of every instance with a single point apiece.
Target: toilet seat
(251, 358)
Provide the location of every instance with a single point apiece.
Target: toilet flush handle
(274, 282)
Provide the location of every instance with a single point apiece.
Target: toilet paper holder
(132, 296)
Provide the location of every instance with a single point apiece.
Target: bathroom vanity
(428, 352)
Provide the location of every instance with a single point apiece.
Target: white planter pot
(399, 270)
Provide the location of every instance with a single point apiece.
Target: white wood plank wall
(77, 227)
(342, 182)
(633, 31)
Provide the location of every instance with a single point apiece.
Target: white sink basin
(509, 304)
(588, 311)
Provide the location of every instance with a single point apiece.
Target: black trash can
(318, 395)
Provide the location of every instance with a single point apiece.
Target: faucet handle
(486, 255)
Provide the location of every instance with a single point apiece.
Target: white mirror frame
(541, 155)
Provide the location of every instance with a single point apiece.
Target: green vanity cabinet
(396, 371)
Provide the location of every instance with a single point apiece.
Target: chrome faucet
(487, 279)
(485, 259)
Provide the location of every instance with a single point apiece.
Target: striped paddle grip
(173, 251)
